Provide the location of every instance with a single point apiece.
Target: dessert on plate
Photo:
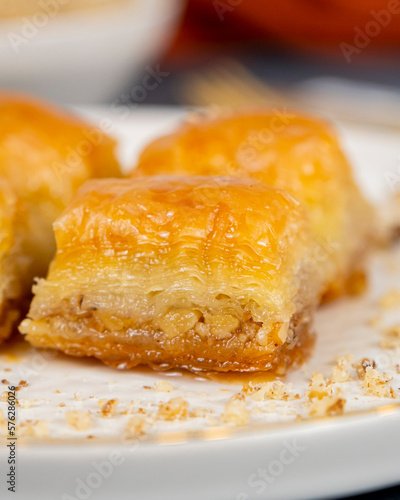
(45, 155)
(19, 8)
(12, 261)
(294, 152)
(195, 272)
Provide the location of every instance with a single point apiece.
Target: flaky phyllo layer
(45, 155)
(196, 272)
(13, 264)
(289, 151)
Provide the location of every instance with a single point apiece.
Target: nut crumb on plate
(200, 412)
(324, 399)
(37, 428)
(235, 412)
(163, 386)
(108, 407)
(318, 387)
(79, 419)
(269, 390)
(340, 371)
(136, 426)
(362, 366)
(174, 409)
(331, 404)
(77, 396)
(376, 383)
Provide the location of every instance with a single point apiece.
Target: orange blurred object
(317, 25)
(326, 21)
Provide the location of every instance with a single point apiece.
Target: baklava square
(202, 273)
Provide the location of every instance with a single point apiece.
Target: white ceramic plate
(87, 56)
(281, 454)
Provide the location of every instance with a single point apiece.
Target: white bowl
(86, 56)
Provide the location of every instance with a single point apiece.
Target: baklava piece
(12, 262)
(45, 155)
(289, 151)
(194, 272)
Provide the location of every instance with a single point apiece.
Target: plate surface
(89, 55)
(282, 453)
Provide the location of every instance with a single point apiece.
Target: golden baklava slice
(203, 273)
(286, 150)
(13, 263)
(46, 153)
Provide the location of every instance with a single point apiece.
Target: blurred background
(307, 45)
(333, 55)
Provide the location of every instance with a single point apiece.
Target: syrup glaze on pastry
(45, 155)
(12, 261)
(194, 272)
(293, 152)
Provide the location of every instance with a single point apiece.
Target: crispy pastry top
(45, 155)
(13, 264)
(48, 152)
(286, 150)
(179, 241)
